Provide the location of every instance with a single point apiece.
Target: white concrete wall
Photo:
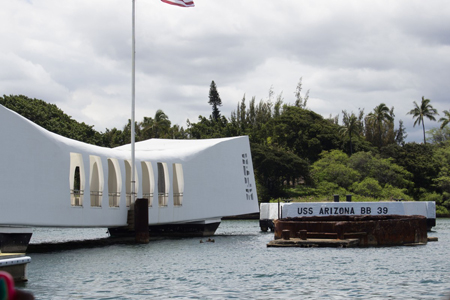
(306, 209)
(35, 178)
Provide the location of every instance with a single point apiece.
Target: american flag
(182, 3)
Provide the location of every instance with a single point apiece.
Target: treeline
(298, 153)
(50, 117)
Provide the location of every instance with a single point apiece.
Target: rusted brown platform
(311, 243)
(367, 230)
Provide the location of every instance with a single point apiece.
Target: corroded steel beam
(387, 230)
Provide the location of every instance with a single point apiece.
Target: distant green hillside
(50, 117)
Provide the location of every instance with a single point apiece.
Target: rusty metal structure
(385, 230)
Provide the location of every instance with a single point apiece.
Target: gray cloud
(351, 54)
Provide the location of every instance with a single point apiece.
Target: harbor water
(237, 265)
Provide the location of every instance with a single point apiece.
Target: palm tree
(352, 126)
(424, 110)
(380, 115)
(445, 120)
(161, 124)
(146, 128)
(157, 127)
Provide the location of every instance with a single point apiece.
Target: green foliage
(379, 126)
(422, 111)
(302, 190)
(386, 172)
(441, 210)
(390, 192)
(215, 101)
(443, 181)
(400, 134)
(299, 100)
(276, 167)
(359, 161)
(362, 173)
(362, 198)
(368, 187)
(157, 127)
(329, 188)
(439, 136)
(438, 198)
(442, 201)
(303, 132)
(332, 167)
(418, 160)
(207, 128)
(50, 117)
(296, 152)
(114, 138)
(353, 126)
(445, 120)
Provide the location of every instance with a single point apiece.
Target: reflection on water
(238, 265)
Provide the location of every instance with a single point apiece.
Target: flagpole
(133, 71)
(185, 3)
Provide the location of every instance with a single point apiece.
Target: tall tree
(400, 134)
(277, 106)
(161, 124)
(380, 119)
(439, 136)
(352, 126)
(299, 100)
(445, 120)
(146, 128)
(303, 132)
(251, 113)
(215, 101)
(242, 116)
(419, 112)
(157, 127)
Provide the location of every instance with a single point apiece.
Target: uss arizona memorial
(50, 180)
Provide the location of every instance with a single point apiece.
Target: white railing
(76, 197)
(96, 197)
(114, 199)
(178, 199)
(162, 199)
(128, 196)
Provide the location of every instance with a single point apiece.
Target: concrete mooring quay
(350, 231)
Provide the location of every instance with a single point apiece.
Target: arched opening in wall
(76, 179)
(163, 184)
(178, 184)
(114, 182)
(96, 180)
(148, 182)
(128, 181)
(76, 193)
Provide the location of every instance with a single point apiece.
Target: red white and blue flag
(182, 3)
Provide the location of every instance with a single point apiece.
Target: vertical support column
(133, 95)
(336, 198)
(141, 221)
(279, 212)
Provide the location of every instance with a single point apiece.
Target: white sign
(292, 210)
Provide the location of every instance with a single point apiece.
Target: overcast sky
(351, 54)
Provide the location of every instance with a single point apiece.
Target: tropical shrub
(368, 187)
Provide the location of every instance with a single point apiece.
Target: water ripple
(240, 266)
